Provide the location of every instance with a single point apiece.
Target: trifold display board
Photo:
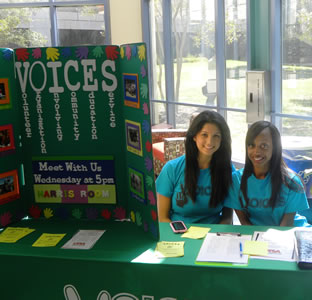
(75, 135)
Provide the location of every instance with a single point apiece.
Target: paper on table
(256, 248)
(13, 234)
(83, 239)
(223, 249)
(195, 232)
(281, 244)
(48, 240)
(170, 249)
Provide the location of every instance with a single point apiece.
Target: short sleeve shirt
(170, 183)
(259, 193)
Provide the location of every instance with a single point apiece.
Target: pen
(241, 249)
(228, 233)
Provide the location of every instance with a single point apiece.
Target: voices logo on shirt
(181, 198)
(203, 190)
(264, 203)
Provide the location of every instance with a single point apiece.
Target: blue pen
(241, 249)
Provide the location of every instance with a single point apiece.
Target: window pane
(238, 127)
(159, 113)
(297, 149)
(296, 127)
(193, 29)
(71, 0)
(81, 25)
(236, 65)
(157, 59)
(297, 58)
(25, 27)
(235, 52)
(21, 1)
(297, 144)
(184, 115)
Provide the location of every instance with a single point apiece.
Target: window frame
(170, 102)
(276, 42)
(52, 5)
(270, 61)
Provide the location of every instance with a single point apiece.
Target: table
(120, 267)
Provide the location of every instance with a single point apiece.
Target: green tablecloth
(119, 267)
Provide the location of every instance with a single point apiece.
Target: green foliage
(93, 11)
(305, 20)
(14, 31)
(205, 33)
(234, 31)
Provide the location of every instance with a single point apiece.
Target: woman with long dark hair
(270, 193)
(193, 187)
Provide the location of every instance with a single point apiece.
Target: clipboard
(223, 249)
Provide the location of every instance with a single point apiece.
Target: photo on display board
(6, 138)
(136, 182)
(4, 91)
(131, 92)
(9, 188)
(134, 137)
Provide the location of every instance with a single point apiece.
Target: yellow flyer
(13, 234)
(48, 240)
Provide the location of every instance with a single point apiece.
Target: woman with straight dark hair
(270, 193)
(192, 188)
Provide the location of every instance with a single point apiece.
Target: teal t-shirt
(259, 193)
(170, 183)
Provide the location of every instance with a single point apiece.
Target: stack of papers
(83, 239)
(13, 234)
(281, 244)
(223, 248)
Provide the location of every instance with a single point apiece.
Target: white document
(223, 248)
(83, 239)
(281, 244)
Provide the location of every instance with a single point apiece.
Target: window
(198, 53)
(52, 23)
(297, 67)
(183, 47)
(236, 66)
(296, 82)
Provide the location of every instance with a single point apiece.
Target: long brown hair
(220, 165)
(277, 168)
